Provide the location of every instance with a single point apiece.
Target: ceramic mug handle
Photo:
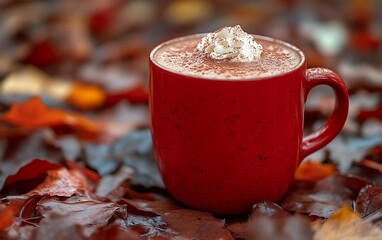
(318, 139)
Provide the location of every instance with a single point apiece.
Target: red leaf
(136, 95)
(28, 176)
(101, 19)
(43, 54)
(363, 115)
(63, 183)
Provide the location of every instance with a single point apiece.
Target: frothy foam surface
(182, 57)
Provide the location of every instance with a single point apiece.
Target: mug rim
(302, 61)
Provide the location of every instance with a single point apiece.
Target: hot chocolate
(181, 56)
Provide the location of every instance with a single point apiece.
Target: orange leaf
(6, 216)
(85, 96)
(312, 172)
(34, 114)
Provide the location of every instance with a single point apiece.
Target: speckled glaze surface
(223, 145)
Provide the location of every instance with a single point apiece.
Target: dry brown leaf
(346, 225)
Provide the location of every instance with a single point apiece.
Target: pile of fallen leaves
(80, 186)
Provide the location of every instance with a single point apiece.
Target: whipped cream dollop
(231, 43)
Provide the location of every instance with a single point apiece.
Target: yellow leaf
(346, 225)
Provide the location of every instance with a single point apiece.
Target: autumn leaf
(135, 95)
(345, 225)
(363, 115)
(312, 171)
(321, 198)
(86, 96)
(34, 114)
(266, 208)
(63, 183)
(375, 154)
(88, 213)
(369, 204)
(6, 216)
(23, 209)
(28, 176)
(43, 54)
(192, 224)
(157, 207)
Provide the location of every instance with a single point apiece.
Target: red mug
(222, 145)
